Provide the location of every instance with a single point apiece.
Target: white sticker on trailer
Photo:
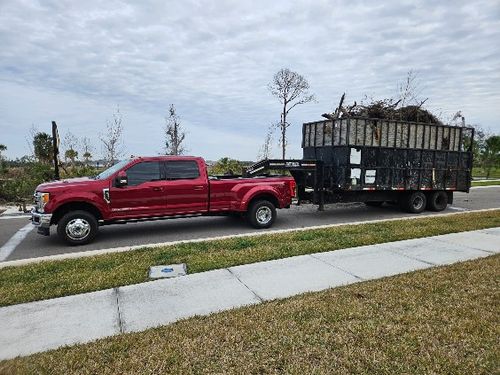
(355, 156)
(355, 173)
(370, 175)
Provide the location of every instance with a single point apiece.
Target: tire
(77, 228)
(374, 204)
(413, 202)
(261, 214)
(437, 201)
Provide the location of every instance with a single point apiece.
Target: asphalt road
(35, 245)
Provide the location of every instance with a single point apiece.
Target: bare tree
(410, 91)
(457, 119)
(266, 149)
(112, 138)
(87, 149)
(292, 90)
(70, 143)
(174, 133)
(32, 132)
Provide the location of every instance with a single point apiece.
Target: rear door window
(182, 170)
(143, 172)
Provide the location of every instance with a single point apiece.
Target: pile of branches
(386, 109)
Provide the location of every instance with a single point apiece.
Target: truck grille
(37, 200)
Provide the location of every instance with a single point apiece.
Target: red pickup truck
(150, 188)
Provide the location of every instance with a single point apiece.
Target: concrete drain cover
(168, 271)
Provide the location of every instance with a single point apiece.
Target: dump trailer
(414, 164)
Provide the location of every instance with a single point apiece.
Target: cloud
(76, 61)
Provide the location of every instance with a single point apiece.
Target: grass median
(438, 321)
(486, 183)
(51, 279)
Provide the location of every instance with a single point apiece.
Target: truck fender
(255, 192)
(87, 198)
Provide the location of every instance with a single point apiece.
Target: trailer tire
(261, 214)
(77, 227)
(437, 201)
(413, 202)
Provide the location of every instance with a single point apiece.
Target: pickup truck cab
(151, 188)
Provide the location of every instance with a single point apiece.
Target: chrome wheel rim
(264, 215)
(78, 229)
(418, 203)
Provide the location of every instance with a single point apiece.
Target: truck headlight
(41, 200)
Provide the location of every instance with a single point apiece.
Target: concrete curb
(19, 216)
(43, 325)
(90, 253)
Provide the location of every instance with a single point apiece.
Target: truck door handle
(156, 188)
(198, 187)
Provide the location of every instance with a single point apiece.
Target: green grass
(478, 172)
(72, 276)
(486, 183)
(438, 321)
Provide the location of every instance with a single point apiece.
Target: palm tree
(71, 155)
(87, 156)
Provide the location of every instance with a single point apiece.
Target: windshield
(108, 172)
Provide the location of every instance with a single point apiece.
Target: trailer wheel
(414, 202)
(261, 214)
(437, 201)
(77, 227)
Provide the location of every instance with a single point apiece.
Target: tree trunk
(175, 139)
(283, 132)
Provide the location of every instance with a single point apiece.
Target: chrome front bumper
(41, 221)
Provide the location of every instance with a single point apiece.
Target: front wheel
(261, 214)
(77, 228)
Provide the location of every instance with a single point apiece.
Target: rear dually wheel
(261, 214)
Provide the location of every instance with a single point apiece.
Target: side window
(143, 172)
(182, 170)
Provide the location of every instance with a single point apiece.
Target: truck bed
(232, 193)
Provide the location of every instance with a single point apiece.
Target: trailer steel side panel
(374, 154)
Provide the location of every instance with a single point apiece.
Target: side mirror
(121, 179)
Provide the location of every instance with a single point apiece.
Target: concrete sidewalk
(38, 326)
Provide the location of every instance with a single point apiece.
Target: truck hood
(64, 184)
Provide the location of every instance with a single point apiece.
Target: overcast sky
(74, 62)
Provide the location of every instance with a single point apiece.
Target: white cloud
(74, 61)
